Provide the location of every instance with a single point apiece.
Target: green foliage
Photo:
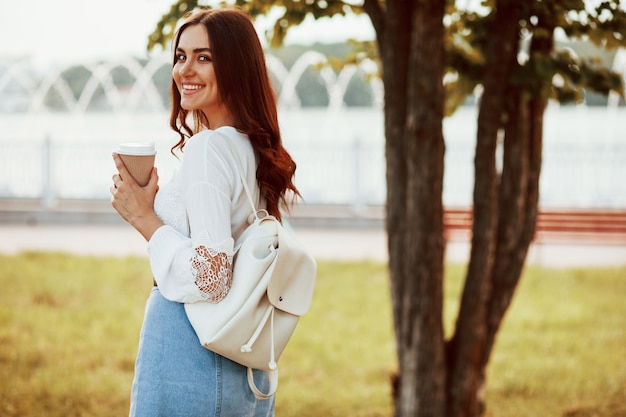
(166, 26)
(577, 72)
(466, 41)
(605, 25)
(69, 329)
(551, 73)
(293, 13)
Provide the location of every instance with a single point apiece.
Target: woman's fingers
(122, 171)
(117, 180)
(154, 180)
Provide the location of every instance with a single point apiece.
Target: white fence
(584, 161)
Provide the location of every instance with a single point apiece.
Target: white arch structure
(143, 89)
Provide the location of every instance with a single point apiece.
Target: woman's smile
(191, 88)
(194, 74)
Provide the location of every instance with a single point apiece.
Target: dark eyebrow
(196, 50)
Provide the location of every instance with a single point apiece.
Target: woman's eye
(204, 58)
(180, 57)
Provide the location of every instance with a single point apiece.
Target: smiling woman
(194, 76)
(219, 78)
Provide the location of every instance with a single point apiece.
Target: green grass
(69, 328)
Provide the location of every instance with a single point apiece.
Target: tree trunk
(519, 198)
(519, 191)
(423, 234)
(466, 350)
(505, 227)
(394, 51)
(412, 54)
(437, 379)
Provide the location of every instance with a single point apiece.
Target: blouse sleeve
(198, 267)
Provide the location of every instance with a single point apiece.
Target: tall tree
(508, 48)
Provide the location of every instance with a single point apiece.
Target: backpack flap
(293, 279)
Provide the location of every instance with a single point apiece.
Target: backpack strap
(241, 175)
(273, 372)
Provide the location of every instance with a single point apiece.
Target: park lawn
(69, 328)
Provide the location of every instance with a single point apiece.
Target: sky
(52, 31)
(62, 31)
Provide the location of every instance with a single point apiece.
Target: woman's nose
(186, 68)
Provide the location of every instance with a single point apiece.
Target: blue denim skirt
(176, 377)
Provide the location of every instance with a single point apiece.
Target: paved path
(327, 244)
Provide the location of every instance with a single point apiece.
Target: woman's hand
(134, 203)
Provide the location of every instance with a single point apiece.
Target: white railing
(339, 150)
(347, 173)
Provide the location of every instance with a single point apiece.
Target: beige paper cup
(138, 159)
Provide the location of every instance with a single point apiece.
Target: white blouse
(204, 208)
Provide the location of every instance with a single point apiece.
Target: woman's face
(194, 75)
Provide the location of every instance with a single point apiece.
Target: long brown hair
(245, 89)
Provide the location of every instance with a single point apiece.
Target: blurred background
(75, 84)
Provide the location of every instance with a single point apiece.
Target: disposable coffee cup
(138, 159)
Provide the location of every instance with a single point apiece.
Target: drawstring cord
(272, 363)
(247, 348)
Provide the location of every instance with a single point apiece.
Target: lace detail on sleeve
(213, 273)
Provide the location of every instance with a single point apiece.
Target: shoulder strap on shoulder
(240, 169)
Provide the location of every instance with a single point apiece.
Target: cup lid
(145, 148)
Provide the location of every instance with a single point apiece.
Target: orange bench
(603, 225)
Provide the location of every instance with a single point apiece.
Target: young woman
(220, 92)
